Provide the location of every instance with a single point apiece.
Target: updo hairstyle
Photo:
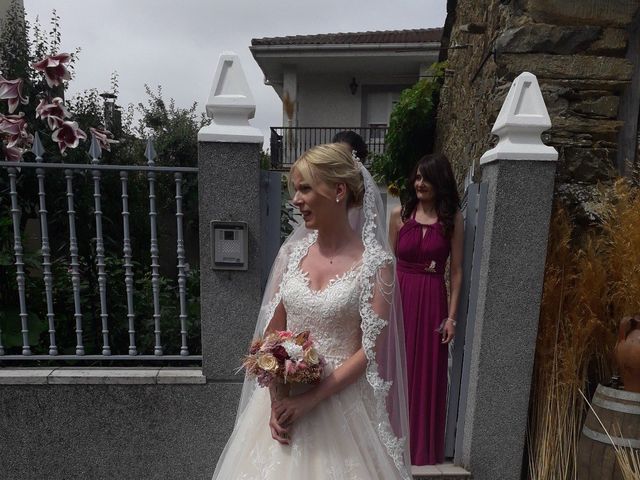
(331, 163)
(354, 140)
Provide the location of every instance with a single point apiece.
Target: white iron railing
(97, 169)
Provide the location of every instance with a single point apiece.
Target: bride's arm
(277, 391)
(278, 323)
(341, 377)
(290, 409)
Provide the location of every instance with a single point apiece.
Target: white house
(336, 81)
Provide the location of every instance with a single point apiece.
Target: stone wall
(576, 49)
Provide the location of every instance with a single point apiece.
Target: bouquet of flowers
(284, 357)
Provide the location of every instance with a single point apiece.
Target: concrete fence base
(124, 432)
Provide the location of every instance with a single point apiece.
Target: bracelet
(453, 322)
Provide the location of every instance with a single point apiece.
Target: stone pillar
(520, 173)
(228, 189)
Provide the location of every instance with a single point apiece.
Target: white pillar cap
(522, 119)
(230, 105)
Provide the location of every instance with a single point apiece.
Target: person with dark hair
(355, 141)
(424, 233)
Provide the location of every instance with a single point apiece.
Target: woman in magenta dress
(425, 232)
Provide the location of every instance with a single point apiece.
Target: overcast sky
(176, 44)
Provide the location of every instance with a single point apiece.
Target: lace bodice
(331, 314)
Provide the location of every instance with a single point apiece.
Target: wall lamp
(353, 86)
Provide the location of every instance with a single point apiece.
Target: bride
(334, 276)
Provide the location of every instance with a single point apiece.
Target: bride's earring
(337, 200)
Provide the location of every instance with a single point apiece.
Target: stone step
(445, 471)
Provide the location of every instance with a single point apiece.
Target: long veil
(381, 324)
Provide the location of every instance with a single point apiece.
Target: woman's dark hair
(353, 139)
(435, 169)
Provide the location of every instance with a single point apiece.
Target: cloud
(177, 43)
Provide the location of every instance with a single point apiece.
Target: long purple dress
(422, 252)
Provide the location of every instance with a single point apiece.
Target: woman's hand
(290, 409)
(278, 433)
(448, 331)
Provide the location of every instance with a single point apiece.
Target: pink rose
(54, 68)
(104, 138)
(12, 90)
(68, 135)
(54, 112)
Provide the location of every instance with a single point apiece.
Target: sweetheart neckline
(332, 281)
(336, 279)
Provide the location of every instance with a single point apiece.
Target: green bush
(411, 131)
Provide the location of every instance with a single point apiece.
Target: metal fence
(96, 170)
(288, 143)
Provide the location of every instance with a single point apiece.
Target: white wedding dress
(337, 440)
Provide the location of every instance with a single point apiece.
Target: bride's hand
(278, 433)
(290, 409)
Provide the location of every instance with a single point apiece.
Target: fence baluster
(75, 262)
(96, 152)
(182, 275)
(17, 248)
(38, 150)
(128, 266)
(150, 153)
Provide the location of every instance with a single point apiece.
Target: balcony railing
(288, 143)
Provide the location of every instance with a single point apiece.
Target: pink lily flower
(13, 154)
(54, 112)
(104, 138)
(15, 128)
(68, 136)
(54, 68)
(12, 90)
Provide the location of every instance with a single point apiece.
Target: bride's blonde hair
(331, 163)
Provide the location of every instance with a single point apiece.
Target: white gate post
(519, 173)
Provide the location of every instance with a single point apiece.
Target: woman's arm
(455, 276)
(279, 320)
(341, 377)
(277, 391)
(290, 409)
(278, 323)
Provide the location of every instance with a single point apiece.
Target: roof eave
(361, 47)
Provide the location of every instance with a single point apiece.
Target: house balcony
(288, 143)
